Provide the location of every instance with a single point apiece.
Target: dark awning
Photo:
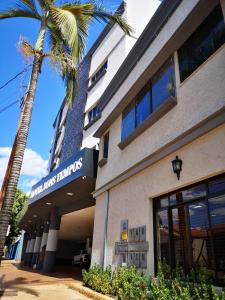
(69, 187)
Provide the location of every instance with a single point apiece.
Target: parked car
(81, 259)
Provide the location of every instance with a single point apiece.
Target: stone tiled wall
(75, 116)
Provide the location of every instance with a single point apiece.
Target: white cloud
(34, 166)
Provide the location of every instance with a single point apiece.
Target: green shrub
(128, 283)
(98, 279)
(175, 284)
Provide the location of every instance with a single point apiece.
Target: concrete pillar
(43, 244)
(37, 245)
(26, 258)
(31, 248)
(20, 247)
(51, 247)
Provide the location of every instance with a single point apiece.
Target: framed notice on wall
(124, 230)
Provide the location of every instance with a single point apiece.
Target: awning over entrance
(68, 187)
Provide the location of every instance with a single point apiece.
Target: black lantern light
(177, 166)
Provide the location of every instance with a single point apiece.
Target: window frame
(98, 74)
(154, 115)
(185, 204)
(184, 56)
(105, 156)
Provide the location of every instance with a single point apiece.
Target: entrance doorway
(190, 227)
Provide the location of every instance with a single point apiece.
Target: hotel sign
(80, 164)
(73, 168)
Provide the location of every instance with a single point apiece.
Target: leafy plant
(98, 279)
(19, 208)
(127, 283)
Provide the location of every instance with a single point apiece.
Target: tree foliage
(64, 28)
(19, 207)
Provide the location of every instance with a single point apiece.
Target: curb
(88, 292)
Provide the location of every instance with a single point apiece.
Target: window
(106, 145)
(162, 86)
(99, 73)
(157, 91)
(190, 228)
(92, 114)
(143, 108)
(128, 124)
(209, 36)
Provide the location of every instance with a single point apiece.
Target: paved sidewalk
(24, 284)
(45, 292)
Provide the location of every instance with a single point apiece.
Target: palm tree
(65, 26)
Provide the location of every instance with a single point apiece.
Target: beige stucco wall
(99, 230)
(131, 199)
(198, 97)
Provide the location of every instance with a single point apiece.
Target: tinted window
(93, 113)
(217, 185)
(128, 123)
(209, 36)
(106, 145)
(150, 98)
(162, 86)
(143, 108)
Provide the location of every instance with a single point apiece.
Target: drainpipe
(106, 230)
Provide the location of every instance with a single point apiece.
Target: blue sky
(49, 95)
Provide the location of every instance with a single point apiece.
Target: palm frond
(30, 4)
(40, 40)
(66, 23)
(42, 4)
(99, 13)
(19, 11)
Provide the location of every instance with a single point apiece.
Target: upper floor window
(208, 37)
(157, 91)
(101, 71)
(92, 114)
(106, 145)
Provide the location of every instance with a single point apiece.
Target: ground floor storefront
(153, 217)
(59, 221)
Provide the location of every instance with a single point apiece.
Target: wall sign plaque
(132, 247)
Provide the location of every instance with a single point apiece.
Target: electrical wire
(8, 106)
(13, 78)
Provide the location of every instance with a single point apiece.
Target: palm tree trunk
(17, 159)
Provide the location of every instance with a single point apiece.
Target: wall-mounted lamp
(177, 166)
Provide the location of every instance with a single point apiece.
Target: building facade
(165, 104)
(137, 166)
(60, 217)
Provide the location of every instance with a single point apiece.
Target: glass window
(98, 74)
(209, 36)
(150, 98)
(194, 193)
(173, 199)
(93, 113)
(163, 236)
(106, 145)
(162, 86)
(217, 216)
(180, 237)
(217, 185)
(201, 246)
(128, 122)
(192, 232)
(142, 108)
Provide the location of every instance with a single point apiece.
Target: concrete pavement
(24, 284)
